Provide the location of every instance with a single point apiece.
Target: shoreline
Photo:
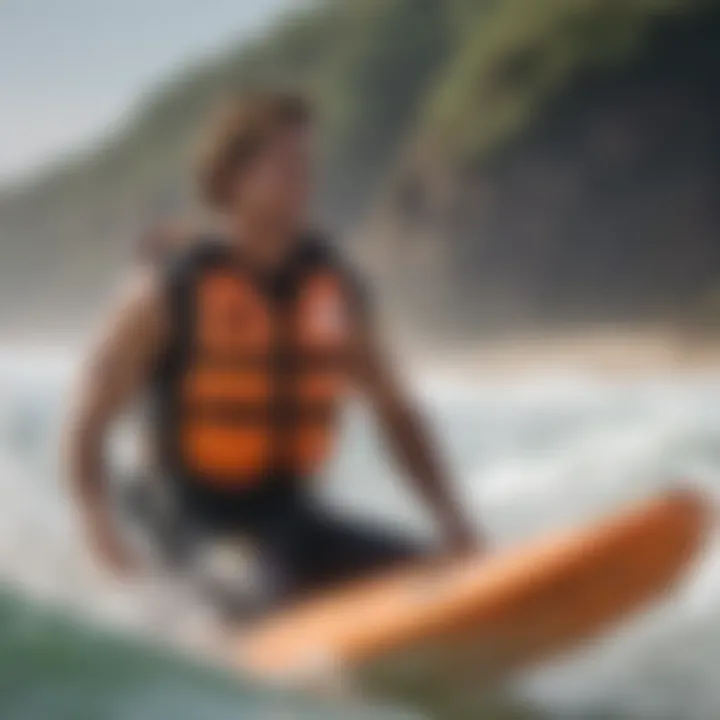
(610, 354)
(613, 353)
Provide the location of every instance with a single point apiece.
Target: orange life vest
(258, 368)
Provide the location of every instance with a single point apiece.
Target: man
(246, 346)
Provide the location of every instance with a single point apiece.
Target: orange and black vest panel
(257, 369)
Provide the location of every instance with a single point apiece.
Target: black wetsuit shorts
(298, 547)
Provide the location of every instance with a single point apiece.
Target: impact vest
(258, 367)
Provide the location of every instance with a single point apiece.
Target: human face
(274, 188)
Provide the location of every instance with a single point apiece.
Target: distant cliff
(601, 206)
(513, 162)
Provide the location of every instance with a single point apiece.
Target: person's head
(255, 159)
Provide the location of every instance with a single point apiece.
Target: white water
(540, 454)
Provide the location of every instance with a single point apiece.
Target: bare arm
(411, 443)
(118, 366)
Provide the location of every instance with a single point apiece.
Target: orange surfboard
(482, 616)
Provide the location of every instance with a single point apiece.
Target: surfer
(245, 345)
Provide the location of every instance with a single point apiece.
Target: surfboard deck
(483, 616)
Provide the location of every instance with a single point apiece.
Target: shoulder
(142, 298)
(140, 289)
(318, 251)
(158, 289)
(321, 253)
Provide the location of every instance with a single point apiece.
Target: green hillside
(412, 93)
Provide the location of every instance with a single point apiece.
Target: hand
(461, 539)
(109, 549)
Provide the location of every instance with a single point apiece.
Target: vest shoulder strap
(318, 253)
(178, 275)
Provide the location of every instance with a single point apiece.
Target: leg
(310, 549)
(347, 549)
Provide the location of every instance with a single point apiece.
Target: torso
(249, 392)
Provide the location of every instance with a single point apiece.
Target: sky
(69, 69)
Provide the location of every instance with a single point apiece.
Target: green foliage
(521, 54)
